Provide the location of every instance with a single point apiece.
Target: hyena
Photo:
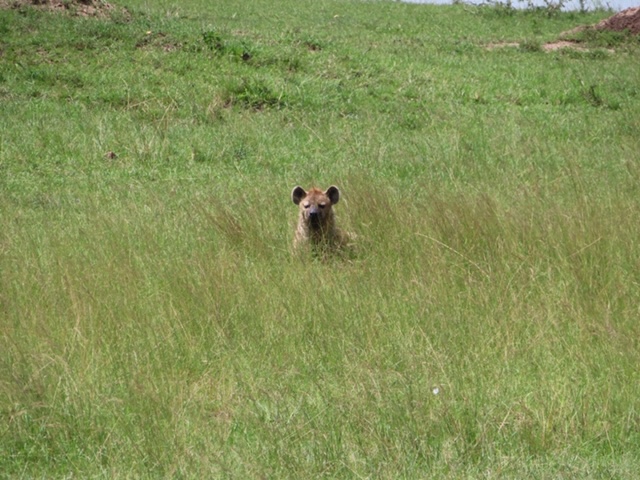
(316, 223)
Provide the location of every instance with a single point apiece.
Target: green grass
(156, 324)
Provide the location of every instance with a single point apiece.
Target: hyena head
(315, 206)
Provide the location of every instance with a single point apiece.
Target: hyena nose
(314, 216)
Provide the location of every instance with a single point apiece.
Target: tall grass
(155, 324)
(464, 334)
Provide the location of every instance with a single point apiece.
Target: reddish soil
(628, 19)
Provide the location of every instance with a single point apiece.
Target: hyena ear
(297, 194)
(333, 193)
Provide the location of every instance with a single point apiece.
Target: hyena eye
(322, 205)
(307, 205)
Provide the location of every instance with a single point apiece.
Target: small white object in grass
(436, 390)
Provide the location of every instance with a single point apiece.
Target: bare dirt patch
(83, 8)
(494, 45)
(547, 47)
(551, 46)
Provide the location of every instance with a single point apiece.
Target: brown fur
(316, 222)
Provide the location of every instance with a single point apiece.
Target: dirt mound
(85, 8)
(628, 19)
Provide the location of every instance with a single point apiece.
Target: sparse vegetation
(605, 38)
(155, 324)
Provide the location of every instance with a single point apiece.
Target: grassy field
(154, 323)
